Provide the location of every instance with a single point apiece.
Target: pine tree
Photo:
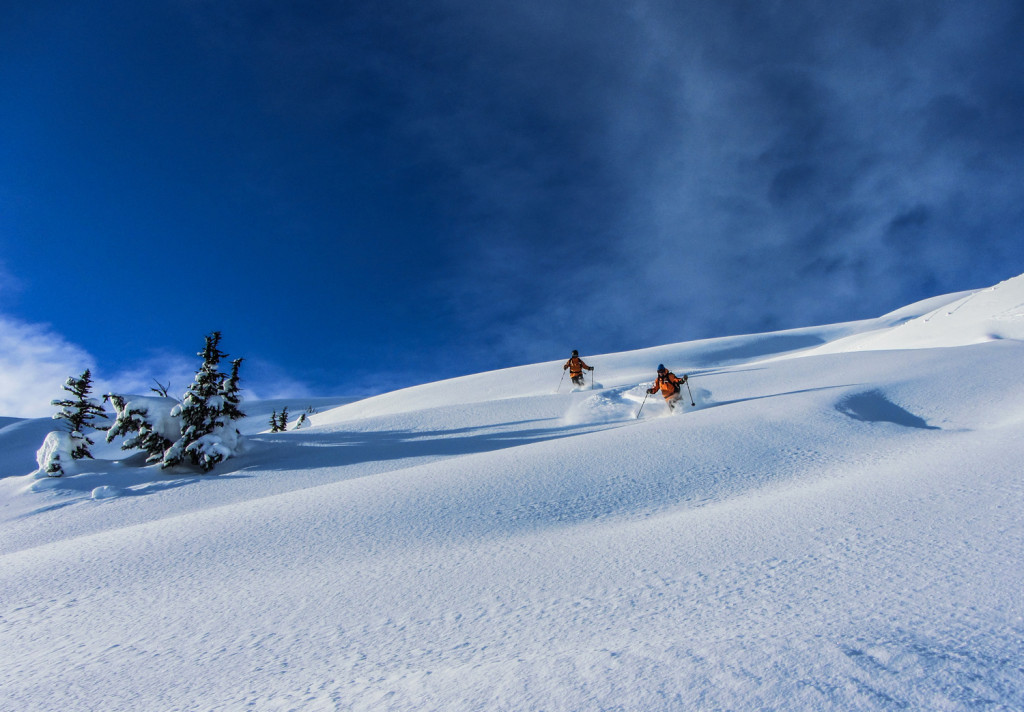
(274, 427)
(80, 414)
(230, 393)
(283, 422)
(207, 412)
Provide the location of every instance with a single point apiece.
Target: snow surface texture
(836, 524)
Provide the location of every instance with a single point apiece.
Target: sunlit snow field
(835, 524)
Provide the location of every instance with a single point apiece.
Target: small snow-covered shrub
(55, 456)
(146, 422)
(214, 447)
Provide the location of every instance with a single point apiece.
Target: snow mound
(54, 456)
(106, 492)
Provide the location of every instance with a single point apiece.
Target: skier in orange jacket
(576, 367)
(669, 384)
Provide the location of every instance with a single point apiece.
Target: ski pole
(637, 417)
(560, 381)
(591, 379)
(689, 391)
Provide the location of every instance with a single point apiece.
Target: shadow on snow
(317, 449)
(874, 407)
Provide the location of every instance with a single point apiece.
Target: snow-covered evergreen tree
(232, 393)
(282, 423)
(146, 422)
(208, 411)
(80, 413)
(274, 426)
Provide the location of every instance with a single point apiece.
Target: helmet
(661, 367)
(575, 352)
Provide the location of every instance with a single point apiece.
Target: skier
(576, 366)
(669, 385)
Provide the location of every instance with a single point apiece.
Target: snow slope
(836, 524)
(972, 318)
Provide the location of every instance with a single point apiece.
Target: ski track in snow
(824, 529)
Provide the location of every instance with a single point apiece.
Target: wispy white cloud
(261, 380)
(34, 363)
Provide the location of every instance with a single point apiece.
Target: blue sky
(363, 196)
